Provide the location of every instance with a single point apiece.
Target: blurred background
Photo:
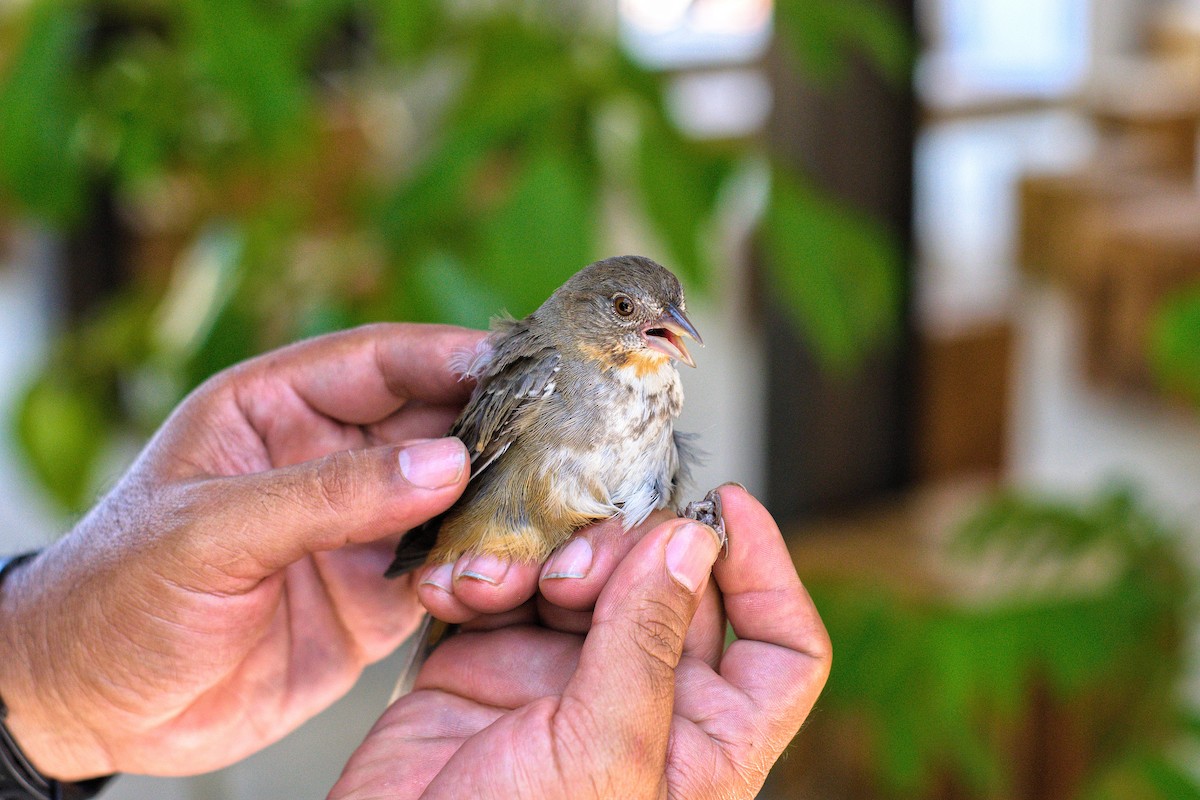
(945, 255)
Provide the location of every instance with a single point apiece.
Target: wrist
(41, 716)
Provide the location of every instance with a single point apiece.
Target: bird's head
(624, 309)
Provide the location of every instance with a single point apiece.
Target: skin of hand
(230, 586)
(614, 681)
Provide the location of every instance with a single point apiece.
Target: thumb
(626, 675)
(266, 521)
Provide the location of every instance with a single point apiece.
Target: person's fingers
(491, 585)
(358, 376)
(570, 580)
(435, 590)
(416, 420)
(506, 668)
(475, 585)
(705, 638)
(624, 686)
(260, 523)
(578, 570)
(563, 620)
(524, 614)
(782, 656)
(706, 635)
(711, 715)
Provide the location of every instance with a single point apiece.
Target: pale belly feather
(634, 471)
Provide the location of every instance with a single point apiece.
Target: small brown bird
(571, 420)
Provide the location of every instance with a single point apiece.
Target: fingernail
(573, 561)
(488, 569)
(433, 464)
(691, 553)
(741, 486)
(442, 577)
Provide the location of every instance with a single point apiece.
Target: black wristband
(19, 780)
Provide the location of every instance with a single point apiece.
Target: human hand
(648, 703)
(230, 586)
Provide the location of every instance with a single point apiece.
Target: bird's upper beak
(666, 333)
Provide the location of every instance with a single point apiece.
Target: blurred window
(987, 49)
(712, 44)
(674, 34)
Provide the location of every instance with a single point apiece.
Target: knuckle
(658, 632)
(668, 621)
(333, 482)
(657, 642)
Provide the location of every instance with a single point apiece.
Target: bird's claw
(708, 512)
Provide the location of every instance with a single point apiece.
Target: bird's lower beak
(666, 334)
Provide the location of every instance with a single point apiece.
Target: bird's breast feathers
(629, 447)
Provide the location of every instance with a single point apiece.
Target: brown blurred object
(1118, 242)
(1150, 250)
(1063, 216)
(902, 545)
(1118, 233)
(964, 379)
(1174, 34)
(1151, 103)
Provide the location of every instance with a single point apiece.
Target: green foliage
(67, 415)
(60, 426)
(521, 121)
(39, 167)
(837, 271)
(1175, 346)
(943, 684)
(820, 34)
(546, 221)
(679, 189)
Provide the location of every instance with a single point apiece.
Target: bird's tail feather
(416, 650)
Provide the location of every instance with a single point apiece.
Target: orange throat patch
(647, 362)
(643, 362)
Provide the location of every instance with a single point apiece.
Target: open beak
(666, 334)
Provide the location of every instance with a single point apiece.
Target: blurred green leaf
(428, 206)
(1190, 721)
(62, 428)
(244, 48)
(232, 337)
(679, 189)
(327, 317)
(520, 80)
(40, 109)
(821, 34)
(1175, 345)
(139, 98)
(543, 232)
(1014, 520)
(1171, 782)
(454, 295)
(837, 272)
(407, 29)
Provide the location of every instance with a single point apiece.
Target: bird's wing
(515, 375)
(521, 373)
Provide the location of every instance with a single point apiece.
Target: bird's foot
(708, 511)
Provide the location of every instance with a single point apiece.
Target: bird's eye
(623, 305)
